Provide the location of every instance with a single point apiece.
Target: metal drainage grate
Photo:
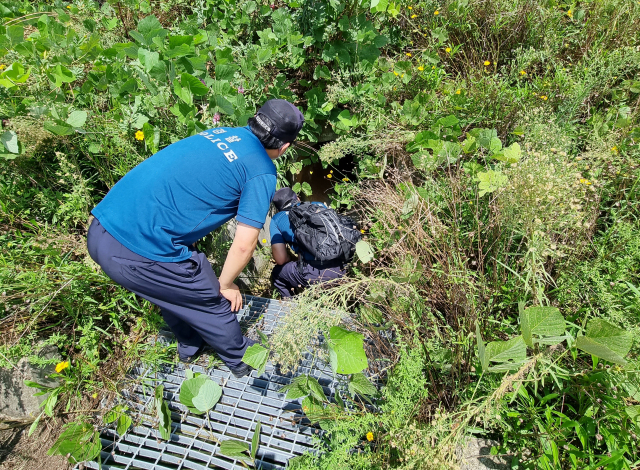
(286, 432)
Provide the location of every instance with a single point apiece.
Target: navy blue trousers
(187, 292)
(289, 280)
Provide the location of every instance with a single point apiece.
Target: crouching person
(144, 229)
(323, 241)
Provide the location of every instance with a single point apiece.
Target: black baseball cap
(284, 198)
(286, 118)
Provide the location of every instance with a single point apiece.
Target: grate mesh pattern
(285, 433)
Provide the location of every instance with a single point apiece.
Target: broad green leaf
(255, 440)
(306, 189)
(193, 84)
(208, 395)
(189, 390)
(633, 411)
(58, 129)
(510, 154)
(364, 251)
(78, 441)
(490, 181)
(482, 355)
(10, 141)
(225, 71)
(60, 74)
(188, 374)
(312, 408)
(149, 24)
(256, 356)
(234, 449)
(298, 388)
(502, 351)
(484, 136)
(15, 34)
(263, 339)
(360, 385)
(316, 389)
(495, 145)
(148, 59)
(162, 413)
(605, 341)
(110, 416)
(379, 5)
(346, 351)
(14, 74)
(469, 145)
(541, 321)
(77, 118)
(448, 121)
(345, 118)
(410, 204)
(124, 422)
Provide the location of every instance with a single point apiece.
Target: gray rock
(476, 455)
(17, 403)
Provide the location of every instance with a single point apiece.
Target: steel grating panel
(285, 433)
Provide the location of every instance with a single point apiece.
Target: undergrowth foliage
(488, 149)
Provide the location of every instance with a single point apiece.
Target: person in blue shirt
(291, 276)
(144, 229)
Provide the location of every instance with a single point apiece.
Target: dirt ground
(19, 452)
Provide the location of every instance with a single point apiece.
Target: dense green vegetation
(496, 171)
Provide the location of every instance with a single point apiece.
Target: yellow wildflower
(369, 436)
(421, 68)
(62, 366)
(395, 73)
(436, 12)
(361, 231)
(448, 49)
(408, 54)
(329, 175)
(410, 7)
(139, 135)
(2, 66)
(402, 76)
(522, 72)
(399, 227)
(544, 97)
(570, 13)
(433, 67)
(264, 240)
(330, 171)
(69, 6)
(614, 149)
(458, 91)
(414, 16)
(311, 172)
(95, 395)
(345, 179)
(487, 63)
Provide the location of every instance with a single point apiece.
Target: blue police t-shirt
(186, 190)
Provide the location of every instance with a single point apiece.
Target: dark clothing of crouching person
(145, 228)
(290, 277)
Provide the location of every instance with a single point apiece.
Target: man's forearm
(237, 258)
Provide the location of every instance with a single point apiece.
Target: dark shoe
(241, 371)
(190, 359)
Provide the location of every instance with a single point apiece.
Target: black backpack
(323, 233)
